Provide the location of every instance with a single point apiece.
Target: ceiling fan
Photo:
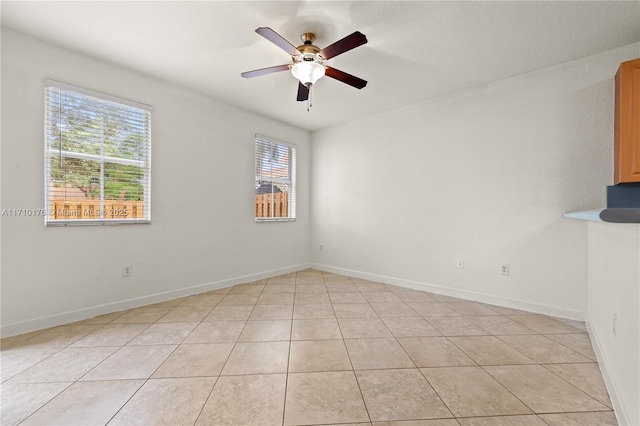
(308, 61)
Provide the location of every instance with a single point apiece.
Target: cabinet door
(627, 124)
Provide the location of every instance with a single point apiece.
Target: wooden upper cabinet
(626, 148)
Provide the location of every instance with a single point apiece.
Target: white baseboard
(619, 407)
(7, 330)
(26, 326)
(463, 294)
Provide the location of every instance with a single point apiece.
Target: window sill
(275, 219)
(98, 222)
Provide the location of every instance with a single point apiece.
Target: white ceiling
(416, 50)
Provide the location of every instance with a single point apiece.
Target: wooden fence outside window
(278, 203)
(278, 200)
(90, 209)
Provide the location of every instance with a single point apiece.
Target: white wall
(614, 289)
(202, 156)
(482, 175)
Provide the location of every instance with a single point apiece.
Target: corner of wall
(617, 401)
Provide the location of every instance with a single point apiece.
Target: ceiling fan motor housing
(308, 51)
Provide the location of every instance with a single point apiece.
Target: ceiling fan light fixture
(308, 72)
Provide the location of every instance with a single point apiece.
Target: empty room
(320, 213)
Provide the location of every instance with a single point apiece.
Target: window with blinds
(97, 158)
(275, 180)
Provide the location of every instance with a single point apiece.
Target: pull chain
(309, 103)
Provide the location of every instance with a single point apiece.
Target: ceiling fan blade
(303, 92)
(264, 71)
(278, 40)
(342, 76)
(349, 42)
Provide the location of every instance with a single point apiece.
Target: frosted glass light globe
(307, 72)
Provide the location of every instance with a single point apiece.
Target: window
(97, 158)
(275, 180)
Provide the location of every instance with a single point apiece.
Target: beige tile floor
(306, 348)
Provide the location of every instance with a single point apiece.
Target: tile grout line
(418, 368)
(286, 378)
(353, 371)
(51, 399)
(81, 376)
(169, 356)
(228, 356)
(508, 390)
(573, 385)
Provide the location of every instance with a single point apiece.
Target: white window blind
(97, 158)
(275, 180)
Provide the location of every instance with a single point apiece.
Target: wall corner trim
(619, 407)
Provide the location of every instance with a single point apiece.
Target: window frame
(292, 163)
(49, 151)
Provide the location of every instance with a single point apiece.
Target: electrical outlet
(321, 247)
(334, 249)
(504, 269)
(614, 327)
(127, 271)
(460, 264)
